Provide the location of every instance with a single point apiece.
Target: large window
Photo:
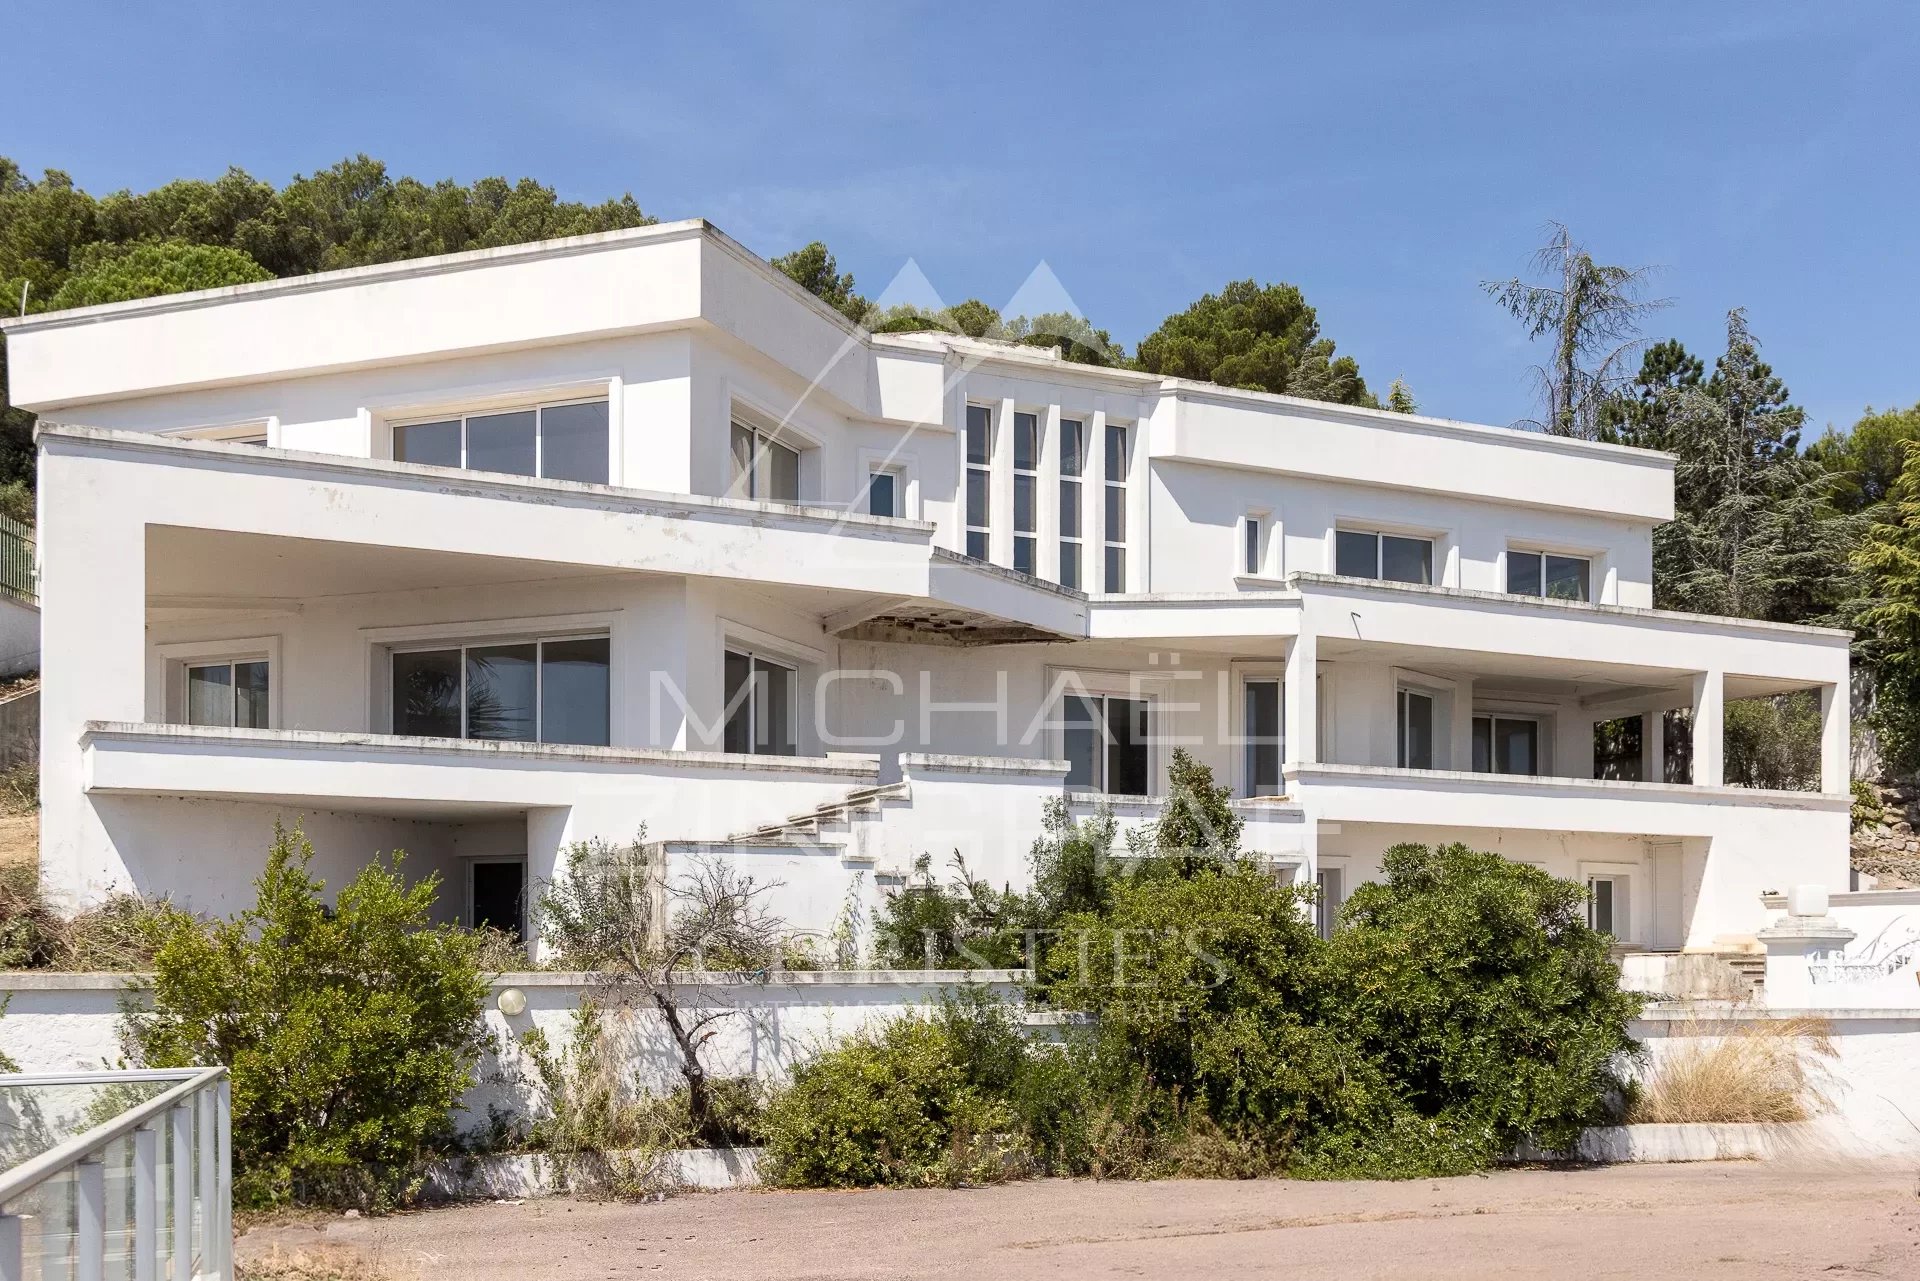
(1026, 490)
(1116, 508)
(764, 470)
(979, 481)
(1107, 744)
(1261, 729)
(1506, 745)
(1548, 575)
(1073, 463)
(231, 695)
(1392, 557)
(760, 705)
(536, 691)
(1416, 729)
(561, 442)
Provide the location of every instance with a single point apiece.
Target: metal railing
(146, 1194)
(18, 577)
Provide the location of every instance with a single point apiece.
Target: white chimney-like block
(1807, 900)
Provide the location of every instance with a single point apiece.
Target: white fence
(145, 1193)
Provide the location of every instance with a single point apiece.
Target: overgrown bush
(351, 1032)
(1477, 983)
(941, 1099)
(119, 935)
(1774, 742)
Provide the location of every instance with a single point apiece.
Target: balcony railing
(17, 577)
(145, 1193)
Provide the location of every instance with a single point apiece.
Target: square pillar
(1836, 742)
(1709, 729)
(1301, 713)
(1653, 745)
(1461, 757)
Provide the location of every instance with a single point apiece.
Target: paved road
(1641, 1222)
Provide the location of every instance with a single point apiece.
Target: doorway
(497, 894)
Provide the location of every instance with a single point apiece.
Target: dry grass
(120, 935)
(326, 1263)
(1763, 1070)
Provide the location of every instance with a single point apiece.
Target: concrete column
(1302, 712)
(1000, 495)
(1046, 498)
(1653, 745)
(1709, 729)
(1836, 754)
(1461, 757)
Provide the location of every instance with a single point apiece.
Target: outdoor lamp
(511, 1001)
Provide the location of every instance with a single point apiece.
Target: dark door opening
(499, 895)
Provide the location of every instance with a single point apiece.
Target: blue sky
(1385, 157)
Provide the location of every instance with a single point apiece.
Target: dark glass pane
(573, 442)
(1523, 573)
(502, 692)
(1023, 504)
(1566, 578)
(977, 544)
(1073, 446)
(1070, 564)
(1602, 906)
(979, 434)
(1116, 514)
(1026, 442)
(738, 734)
(1081, 742)
(741, 449)
(1127, 746)
(1253, 546)
(574, 691)
(250, 695)
(976, 497)
(499, 896)
(1482, 745)
(1356, 555)
(1416, 731)
(773, 709)
(1406, 560)
(1116, 452)
(1023, 553)
(1517, 746)
(435, 444)
(1070, 508)
(1262, 732)
(501, 442)
(1116, 569)
(210, 695)
(426, 693)
(783, 473)
(880, 494)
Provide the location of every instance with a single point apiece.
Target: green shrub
(351, 1032)
(1478, 984)
(940, 1099)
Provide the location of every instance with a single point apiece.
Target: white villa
(480, 555)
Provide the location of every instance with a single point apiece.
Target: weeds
(1762, 1071)
(20, 789)
(120, 935)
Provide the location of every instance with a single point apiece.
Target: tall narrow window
(1026, 487)
(1262, 732)
(1331, 882)
(560, 442)
(229, 695)
(764, 470)
(883, 494)
(1073, 460)
(1107, 744)
(1416, 730)
(759, 708)
(1548, 575)
(1506, 745)
(1603, 904)
(1251, 537)
(539, 691)
(979, 481)
(1116, 508)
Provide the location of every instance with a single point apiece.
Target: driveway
(1697, 1221)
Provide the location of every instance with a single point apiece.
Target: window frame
(1540, 555)
(757, 656)
(177, 656)
(189, 667)
(1072, 539)
(1379, 534)
(1326, 907)
(1104, 741)
(1110, 486)
(537, 406)
(461, 644)
(1276, 677)
(759, 472)
(983, 530)
(1542, 732)
(1403, 694)
(1029, 535)
(1630, 882)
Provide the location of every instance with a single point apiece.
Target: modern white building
(476, 556)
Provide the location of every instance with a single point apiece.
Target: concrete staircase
(847, 826)
(1752, 969)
